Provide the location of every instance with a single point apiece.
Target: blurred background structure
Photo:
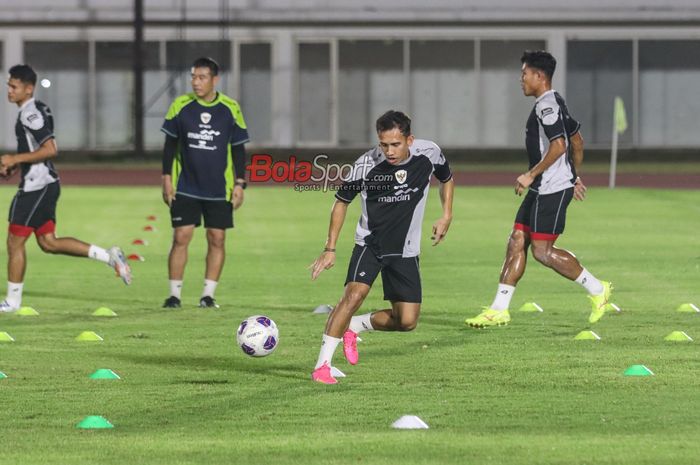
(316, 73)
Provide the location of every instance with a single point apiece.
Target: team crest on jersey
(401, 176)
(205, 117)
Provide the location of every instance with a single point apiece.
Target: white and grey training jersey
(34, 127)
(393, 197)
(550, 120)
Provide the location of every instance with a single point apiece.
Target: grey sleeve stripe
(557, 136)
(168, 132)
(50, 136)
(339, 197)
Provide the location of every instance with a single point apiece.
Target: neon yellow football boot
(600, 303)
(489, 317)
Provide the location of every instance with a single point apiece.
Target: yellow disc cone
(530, 307)
(678, 336)
(587, 336)
(88, 336)
(27, 311)
(688, 308)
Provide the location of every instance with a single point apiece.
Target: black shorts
(186, 211)
(544, 216)
(400, 276)
(34, 211)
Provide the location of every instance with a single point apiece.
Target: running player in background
(555, 150)
(203, 175)
(393, 180)
(33, 208)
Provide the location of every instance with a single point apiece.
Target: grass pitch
(526, 393)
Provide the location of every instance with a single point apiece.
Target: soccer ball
(257, 336)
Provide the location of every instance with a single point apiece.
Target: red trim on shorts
(47, 228)
(543, 236)
(20, 230)
(521, 227)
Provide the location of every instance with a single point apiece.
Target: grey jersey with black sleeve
(393, 197)
(550, 120)
(34, 127)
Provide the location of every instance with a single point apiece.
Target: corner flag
(620, 116)
(619, 126)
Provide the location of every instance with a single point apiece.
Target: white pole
(613, 155)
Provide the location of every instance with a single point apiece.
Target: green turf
(526, 393)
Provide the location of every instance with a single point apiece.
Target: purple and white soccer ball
(257, 336)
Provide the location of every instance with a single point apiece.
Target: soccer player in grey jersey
(555, 149)
(33, 209)
(392, 181)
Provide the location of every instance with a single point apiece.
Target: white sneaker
(6, 307)
(118, 262)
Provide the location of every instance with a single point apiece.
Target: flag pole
(613, 155)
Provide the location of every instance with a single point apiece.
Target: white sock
(328, 347)
(175, 288)
(14, 293)
(503, 296)
(98, 253)
(590, 283)
(209, 288)
(361, 323)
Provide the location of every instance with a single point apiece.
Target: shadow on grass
(199, 363)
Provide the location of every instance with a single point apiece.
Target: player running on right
(555, 149)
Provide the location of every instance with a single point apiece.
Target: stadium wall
(314, 75)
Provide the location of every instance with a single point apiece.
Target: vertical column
(283, 69)
(407, 76)
(635, 92)
(13, 53)
(480, 100)
(335, 88)
(557, 47)
(92, 95)
(137, 66)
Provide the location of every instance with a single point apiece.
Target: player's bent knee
(47, 246)
(517, 242)
(542, 255)
(408, 325)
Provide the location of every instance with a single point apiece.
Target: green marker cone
(530, 307)
(27, 311)
(587, 336)
(2, 375)
(88, 336)
(94, 422)
(688, 308)
(4, 337)
(678, 336)
(104, 311)
(104, 373)
(638, 370)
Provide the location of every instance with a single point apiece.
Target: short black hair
(393, 119)
(540, 59)
(206, 62)
(24, 73)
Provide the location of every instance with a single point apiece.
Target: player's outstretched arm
(326, 260)
(441, 226)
